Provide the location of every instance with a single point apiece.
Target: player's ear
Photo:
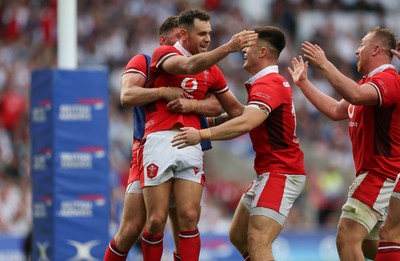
(162, 39)
(183, 33)
(263, 51)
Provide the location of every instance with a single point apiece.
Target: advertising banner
(70, 165)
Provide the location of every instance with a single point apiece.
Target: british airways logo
(81, 206)
(82, 110)
(82, 158)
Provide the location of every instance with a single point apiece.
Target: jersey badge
(152, 171)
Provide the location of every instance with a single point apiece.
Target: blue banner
(70, 166)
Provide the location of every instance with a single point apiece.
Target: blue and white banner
(70, 165)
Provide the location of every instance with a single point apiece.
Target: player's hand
(172, 93)
(397, 52)
(241, 40)
(299, 71)
(314, 54)
(181, 105)
(187, 137)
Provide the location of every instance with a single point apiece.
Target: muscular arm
(240, 125)
(250, 119)
(210, 106)
(348, 89)
(230, 104)
(197, 63)
(330, 107)
(133, 94)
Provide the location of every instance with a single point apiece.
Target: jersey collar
(263, 72)
(381, 69)
(180, 48)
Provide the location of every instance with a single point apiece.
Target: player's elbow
(125, 101)
(355, 100)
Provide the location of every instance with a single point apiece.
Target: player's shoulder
(137, 59)
(137, 64)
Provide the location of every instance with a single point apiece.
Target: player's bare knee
(189, 219)
(156, 224)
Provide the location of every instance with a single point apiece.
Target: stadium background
(111, 32)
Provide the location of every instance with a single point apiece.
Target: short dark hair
(385, 37)
(186, 18)
(273, 36)
(170, 23)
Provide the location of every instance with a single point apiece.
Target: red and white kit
(279, 161)
(162, 125)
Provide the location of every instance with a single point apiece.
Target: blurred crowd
(111, 32)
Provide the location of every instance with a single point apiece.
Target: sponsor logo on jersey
(189, 84)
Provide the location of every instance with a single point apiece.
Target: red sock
(189, 245)
(152, 246)
(177, 257)
(388, 251)
(246, 257)
(113, 254)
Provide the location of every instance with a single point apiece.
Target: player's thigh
(134, 212)
(394, 213)
(350, 230)
(239, 225)
(187, 196)
(157, 200)
(263, 230)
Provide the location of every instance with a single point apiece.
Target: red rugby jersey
(274, 141)
(157, 115)
(375, 130)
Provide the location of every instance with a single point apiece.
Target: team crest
(152, 171)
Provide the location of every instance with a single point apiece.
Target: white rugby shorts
(159, 161)
(368, 192)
